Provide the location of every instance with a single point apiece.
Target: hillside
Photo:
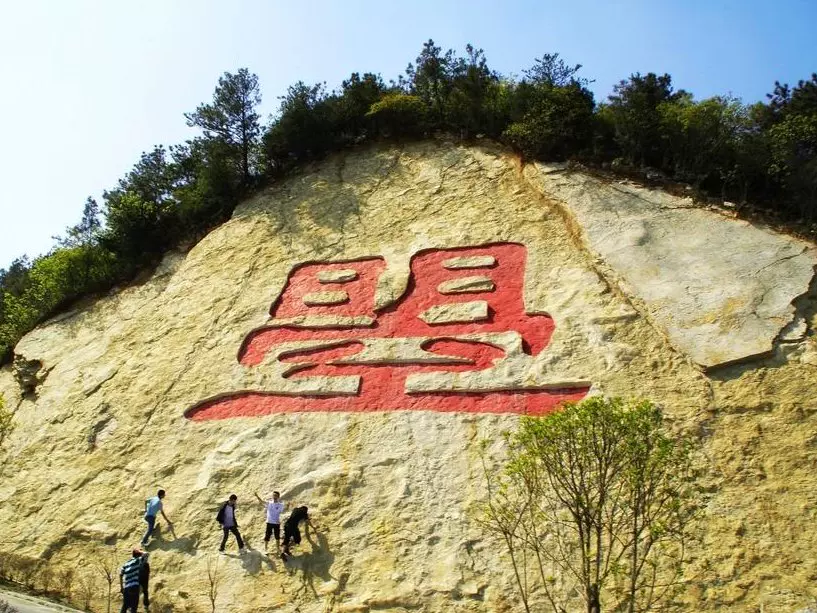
(578, 285)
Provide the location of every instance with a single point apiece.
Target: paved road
(30, 604)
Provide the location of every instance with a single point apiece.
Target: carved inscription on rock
(433, 349)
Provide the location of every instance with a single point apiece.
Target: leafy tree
(594, 501)
(551, 70)
(13, 283)
(471, 85)
(793, 144)
(703, 137)
(208, 188)
(152, 178)
(138, 230)
(14, 280)
(302, 129)
(752, 158)
(799, 100)
(399, 115)
(558, 124)
(141, 212)
(84, 237)
(349, 108)
(634, 111)
(790, 121)
(553, 111)
(430, 79)
(85, 233)
(232, 118)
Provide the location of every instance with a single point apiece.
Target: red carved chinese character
(458, 340)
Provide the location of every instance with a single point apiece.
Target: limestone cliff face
(437, 272)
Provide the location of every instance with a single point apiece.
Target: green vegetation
(6, 421)
(765, 152)
(594, 505)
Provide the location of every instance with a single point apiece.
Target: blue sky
(90, 84)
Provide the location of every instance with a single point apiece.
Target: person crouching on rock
(291, 532)
(226, 517)
(129, 582)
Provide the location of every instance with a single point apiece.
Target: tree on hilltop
(552, 70)
(232, 117)
(634, 107)
(430, 78)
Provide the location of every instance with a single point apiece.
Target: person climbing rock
(152, 507)
(129, 582)
(226, 517)
(291, 531)
(274, 509)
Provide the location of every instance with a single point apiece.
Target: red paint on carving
(254, 404)
(322, 354)
(505, 303)
(383, 385)
(303, 280)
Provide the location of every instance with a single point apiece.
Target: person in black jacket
(144, 578)
(226, 517)
(291, 531)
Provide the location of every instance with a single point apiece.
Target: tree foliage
(399, 115)
(6, 421)
(174, 195)
(232, 119)
(594, 504)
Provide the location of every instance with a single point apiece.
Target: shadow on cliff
(184, 544)
(312, 564)
(252, 560)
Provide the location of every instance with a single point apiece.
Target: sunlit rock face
(352, 335)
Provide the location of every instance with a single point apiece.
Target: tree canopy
(764, 152)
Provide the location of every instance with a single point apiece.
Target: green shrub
(399, 115)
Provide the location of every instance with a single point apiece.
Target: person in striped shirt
(129, 581)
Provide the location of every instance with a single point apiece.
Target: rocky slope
(236, 369)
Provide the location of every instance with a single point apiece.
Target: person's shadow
(252, 560)
(314, 563)
(185, 544)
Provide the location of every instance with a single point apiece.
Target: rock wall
(352, 334)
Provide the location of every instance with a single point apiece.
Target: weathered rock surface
(641, 288)
(721, 288)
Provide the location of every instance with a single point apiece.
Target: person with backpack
(152, 507)
(274, 509)
(291, 531)
(227, 519)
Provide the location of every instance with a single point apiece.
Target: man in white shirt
(274, 509)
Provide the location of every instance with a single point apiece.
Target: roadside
(31, 604)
